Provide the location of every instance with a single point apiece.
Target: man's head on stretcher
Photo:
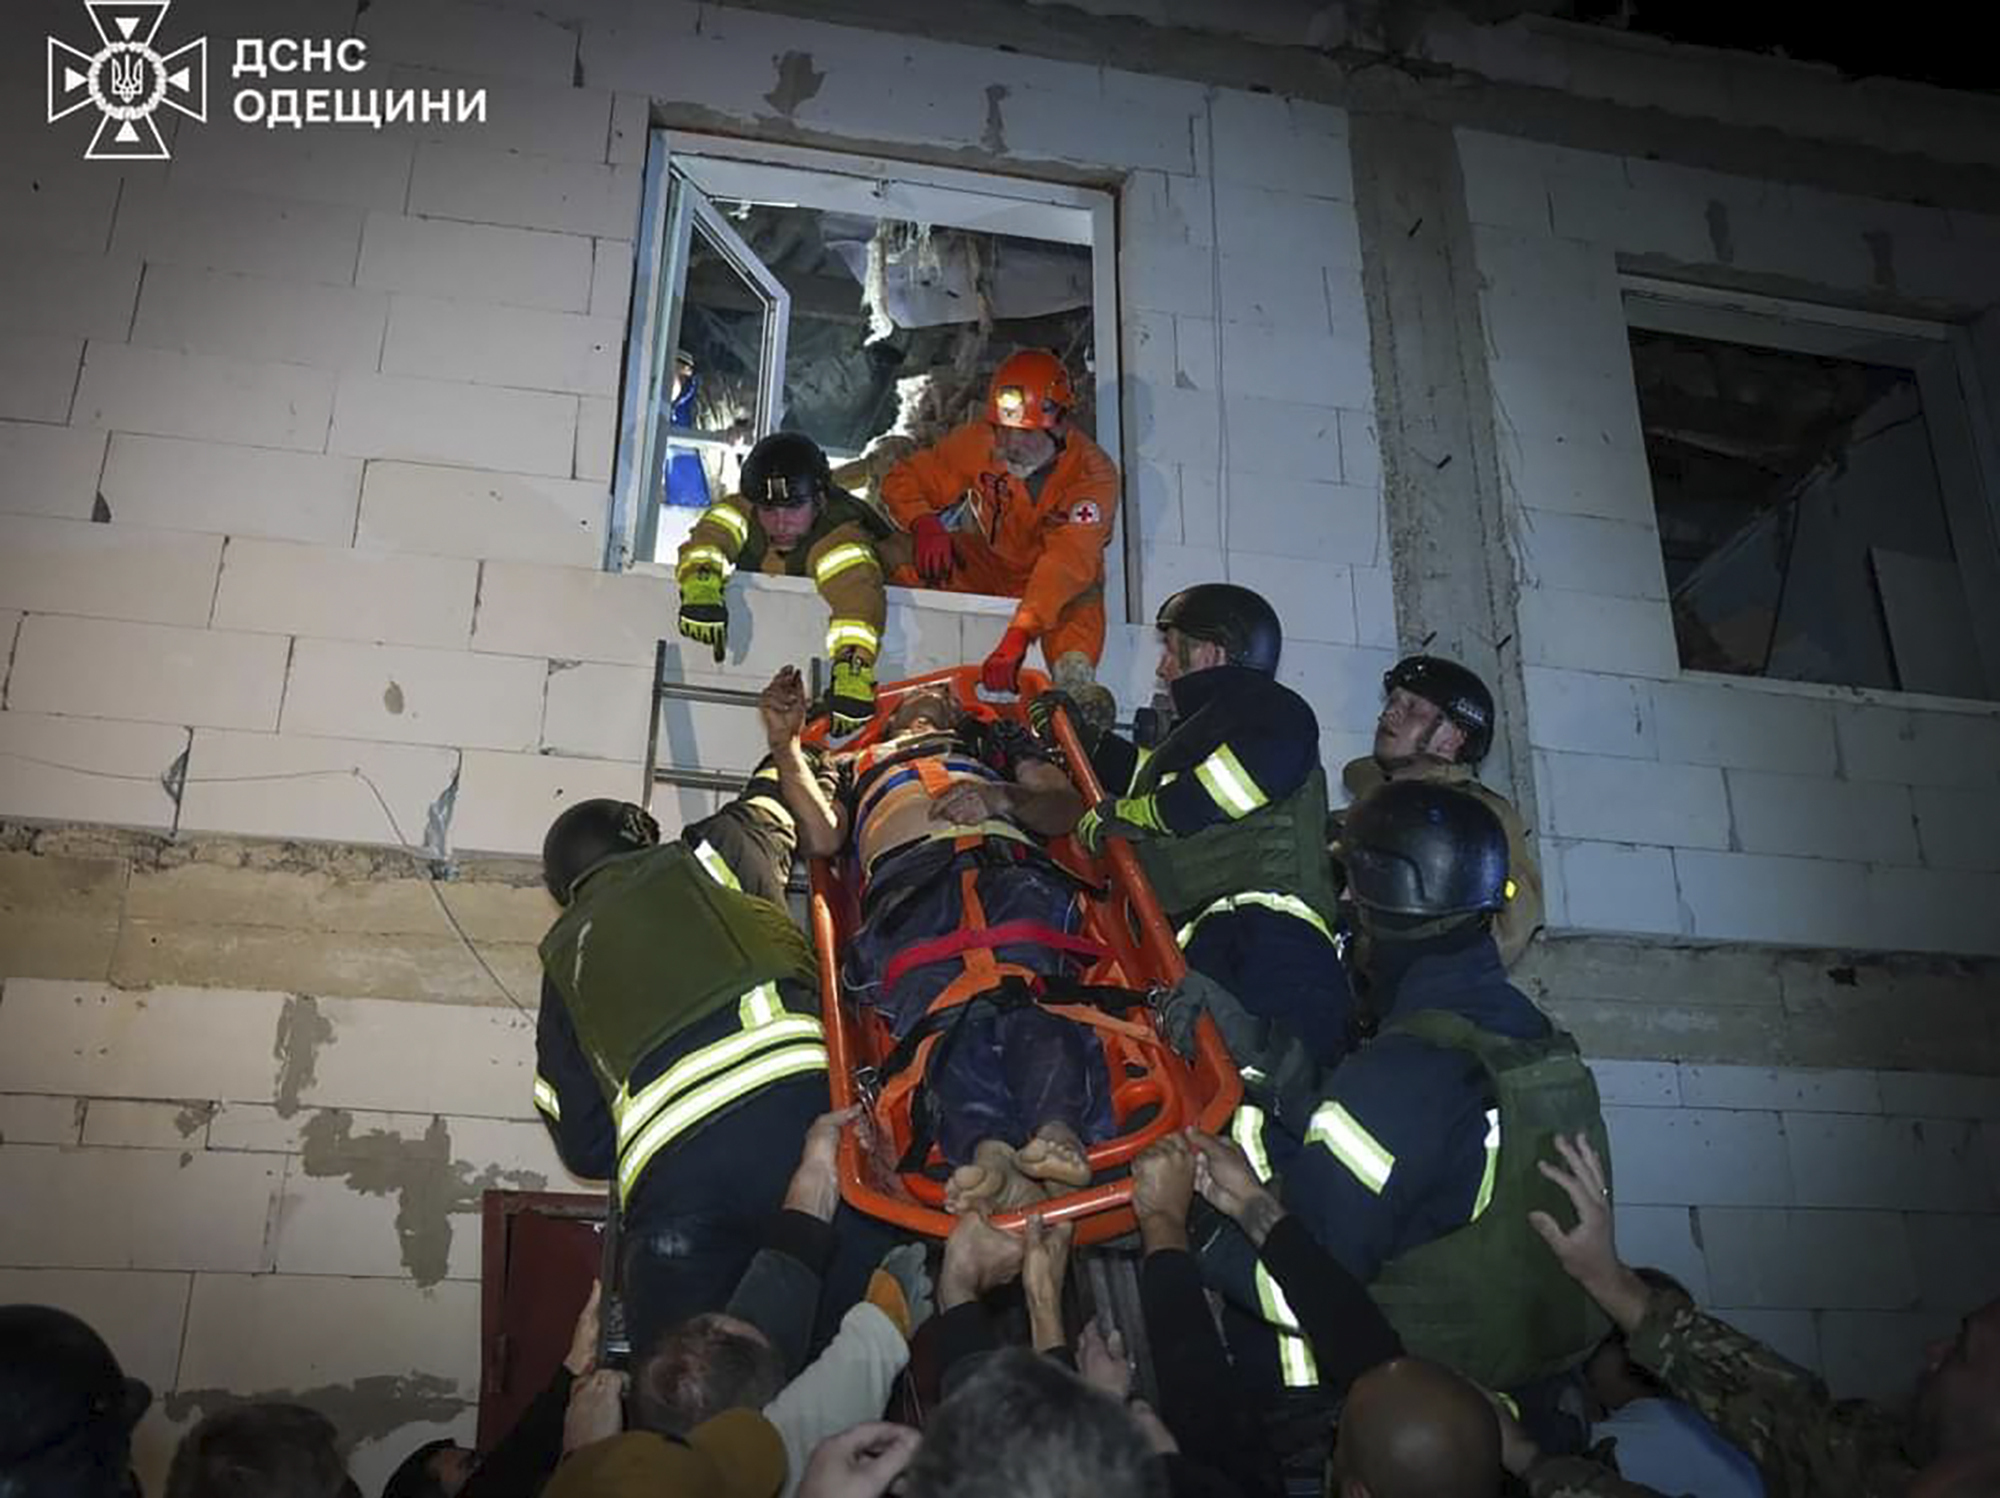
(946, 813)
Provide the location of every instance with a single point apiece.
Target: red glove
(1002, 671)
(933, 548)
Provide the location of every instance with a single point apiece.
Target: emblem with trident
(128, 80)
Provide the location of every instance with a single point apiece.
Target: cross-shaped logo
(128, 80)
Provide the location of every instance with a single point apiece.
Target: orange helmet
(1030, 389)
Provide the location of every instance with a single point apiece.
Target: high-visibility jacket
(674, 998)
(1515, 926)
(841, 554)
(1047, 534)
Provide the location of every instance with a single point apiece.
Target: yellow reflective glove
(852, 696)
(1133, 818)
(703, 617)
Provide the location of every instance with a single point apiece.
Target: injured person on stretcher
(942, 817)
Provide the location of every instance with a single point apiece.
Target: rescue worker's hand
(582, 1357)
(853, 696)
(978, 1257)
(1589, 1251)
(1163, 1180)
(901, 1288)
(1133, 818)
(704, 619)
(1044, 1265)
(1043, 708)
(782, 707)
(1198, 994)
(931, 547)
(1226, 1181)
(1002, 671)
(815, 1184)
(596, 1410)
(863, 1462)
(1101, 1360)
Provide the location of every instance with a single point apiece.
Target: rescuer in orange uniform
(1017, 503)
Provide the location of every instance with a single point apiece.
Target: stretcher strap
(1005, 934)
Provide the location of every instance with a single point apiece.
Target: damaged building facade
(1657, 383)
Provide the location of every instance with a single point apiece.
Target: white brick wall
(341, 594)
(251, 317)
(160, 393)
(226, 490)
(433, 421)
(100, 668)
(516, 267)
(476, 513)
(409, 696)
(48, 470)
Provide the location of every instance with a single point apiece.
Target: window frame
(720, 166)
(1942, 358)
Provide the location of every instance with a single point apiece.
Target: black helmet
(1458, 693)
(1420, 848)
(587, 834)
(784, 470)
(1240, 621)
(66, 1407)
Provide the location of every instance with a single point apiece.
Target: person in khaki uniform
(1436, 725)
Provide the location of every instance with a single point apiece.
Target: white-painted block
(1589, 476)
(613, 262)
(596, 438)
(1590, 554)
(482, 344)
(1175, 426)
(156, 673)
(1284, 439)
(1663, 1238)
(1935, 910)
(1273, 222)
(1603, 799)
(135, 1209)
(139, 1313)
(1252, 146)
(1583, 400)
(406, 695)
(1596, 632)
(1543, 300)
(66, 296)
(475, 185)
(68, 210)
(1311, 597)
(263, 1333)
(382, 1054)
(580, 614)
(631, 123)
(110, 571)
(1153, 501)
(1584, 713)
(540, 119)
(38, 376)
(1503, 182)
(283, 587)
(1812, 817)
(169, 1044)
(1880, 1354)
(363, 169)
(160, 393)
(1329, 522)
(1293, 361)
(49, 470)
(477, 39)
(1360, 450)
(207, 228)
(469, 513)
(1637, 1084)
(286, 786)
(1958, 828)
(1705, 722)
(1917, 1164)
(1958, 1259)
(228, 490)
(56, 769)
(1705, 1157)
(518, 431)
(1787, 1089)
(252, 317)
(1757, 897)
(1939, 1095)
(27, 1118)
(1343, 683)
(478, 262)
(1918, 747)
(599, 712)
(327, 1226)
(507, 801)
(1793, 1335)
(1618, 887)
(1167, 277)
(1765, 1256)
(915, 639)
(121, 1123)
(1374, 607)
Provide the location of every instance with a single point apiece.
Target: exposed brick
(488, 345)
(1805, 815)
(467, 512)
(481, 186)
(1918, 748)
(38, 376)
(67, 296)
(1787, 1089)
(384, 416)
(251, 317)
(138, 1312)
(229, 490)
(596, 438)
(1596, 632)
(164, 394)
(599, 712)
(1698, 1157)
(29, 1119)
(1586, 713)
(100, 668)
(1918, 1164)
(1617, 887)
(135, 1209)
(1959, 829)
(1633, 800)
(110, 571)
(207, 228)
(336, 593)
(1710, 723)
(516, 267)
(50, 470)
(612, 267)
(405, 695)
(267, 785)
(506, 801)
(1759, 897)
(580, 614)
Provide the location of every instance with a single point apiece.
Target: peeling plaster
(368, 1409)
(302, 1030)
(429, 1186)
(193, 1118)
(797, 82)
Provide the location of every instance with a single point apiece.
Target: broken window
(1819, 500)
(865, 304)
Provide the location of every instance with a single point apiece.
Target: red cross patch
(1085, 512)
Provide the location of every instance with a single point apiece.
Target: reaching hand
(1163, 1179)
(782, 707)
(1226, 1181)
(596, 1410)
(1589, 1251)
(815, 1185)
(978, 1257)
(1159, 1440)
(1044, 1262)
(582, 1357)
(859, 1463)
(1100, 1358)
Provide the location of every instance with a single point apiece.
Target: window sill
(928, 598)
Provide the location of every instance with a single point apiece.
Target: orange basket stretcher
(1154, 1091)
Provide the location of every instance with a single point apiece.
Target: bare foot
(992, 1182)
(1055, 1157)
